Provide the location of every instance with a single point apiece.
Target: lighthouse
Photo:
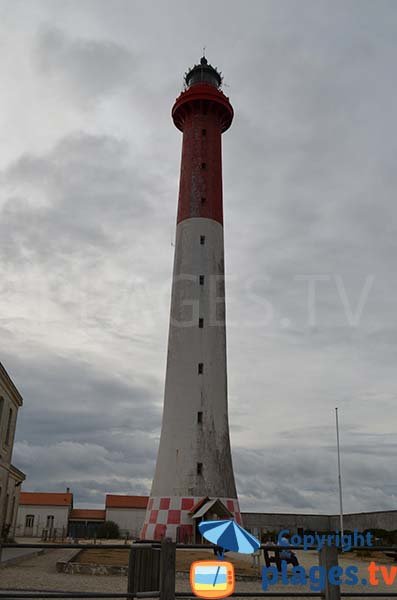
(194, 474)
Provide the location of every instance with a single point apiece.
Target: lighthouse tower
(194, 464)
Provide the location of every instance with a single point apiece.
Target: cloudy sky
(89, 165)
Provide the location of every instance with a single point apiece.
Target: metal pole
(339, 473)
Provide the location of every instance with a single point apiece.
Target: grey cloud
(78, 194)
(91, 68)
(78, 421)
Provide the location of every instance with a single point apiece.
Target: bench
(275, 558)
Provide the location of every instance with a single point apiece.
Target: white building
(127, 511)
(10, 477)
(44, 511)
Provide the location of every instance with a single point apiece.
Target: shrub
(109, 530)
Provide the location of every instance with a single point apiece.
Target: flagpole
(339, 473)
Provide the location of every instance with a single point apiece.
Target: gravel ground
(40, 573)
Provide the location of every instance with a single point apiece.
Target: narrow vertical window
(1, 407)
(199, 468)
(29, 520)
(203, 165)
(199, 417)
(201, 322)
(202, 199)
(8, 431)
(203, 132)
(202, 240)
(200, 368)
(201, 279)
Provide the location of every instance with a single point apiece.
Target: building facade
(11, 478)
(44, 514)
(85, 522)
(194, 457)
(128, 512)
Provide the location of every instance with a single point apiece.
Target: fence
(152, 573)
(41, 531)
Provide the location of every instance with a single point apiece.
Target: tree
(109, 530)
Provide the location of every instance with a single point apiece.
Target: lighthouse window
(199, 417)
(201, 280)
(202, 240)
(204, 132)
(201, 322)
(200, 368)
(199, 468)
(203, 165)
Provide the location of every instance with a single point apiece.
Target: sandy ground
(39, 572)
(184, 559)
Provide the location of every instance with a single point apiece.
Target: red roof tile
(46, 499)
(88, 514)
(116, 501)
(198, 505)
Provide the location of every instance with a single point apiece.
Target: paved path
(11, 553)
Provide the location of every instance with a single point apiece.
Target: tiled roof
(115, 501)
(87, 514)
(46, 499)
(198, 505)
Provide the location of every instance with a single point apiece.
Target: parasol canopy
(229, 536)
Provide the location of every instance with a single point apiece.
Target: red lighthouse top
(203, 113)
(203, 83)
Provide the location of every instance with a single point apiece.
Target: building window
(201, 279)
(202, 240)
(199, 417)
(202, 199)
(203, 165)
(1, 407)
(8, 432)
(12, 510)
(201, 322)
(29, 520)
(50, 521)
(199, 468)
(200, 368)
(203, 132)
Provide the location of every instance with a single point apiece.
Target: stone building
(10, 477)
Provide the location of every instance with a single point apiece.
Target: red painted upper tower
(203, 113)
(194, 463)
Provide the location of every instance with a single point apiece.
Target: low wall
(75, 568)
(261, 522)
(386, 519)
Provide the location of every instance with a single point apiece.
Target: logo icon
(215, 578)
(212, 578)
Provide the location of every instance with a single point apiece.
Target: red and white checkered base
(169, 517)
